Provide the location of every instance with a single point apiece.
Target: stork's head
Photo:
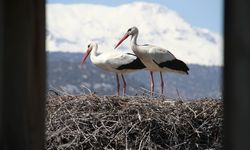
(131, 31)
(90, 48)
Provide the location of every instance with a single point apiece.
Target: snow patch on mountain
(70, 28)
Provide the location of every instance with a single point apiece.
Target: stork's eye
(88, 45)
(129, 30)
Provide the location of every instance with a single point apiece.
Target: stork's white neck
(133, 41)
(94, 52)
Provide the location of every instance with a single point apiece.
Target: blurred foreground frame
(23, 74)
(237, 74)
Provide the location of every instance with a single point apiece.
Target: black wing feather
(174, 64)
(135, 64)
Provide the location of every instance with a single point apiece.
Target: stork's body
(156, 59)
(114, 61)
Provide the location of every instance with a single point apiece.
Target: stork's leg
(162, 84)
(124, 85)
(118, 85)
(152, 84)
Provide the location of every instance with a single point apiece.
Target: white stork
(156, 59)
(114, 61)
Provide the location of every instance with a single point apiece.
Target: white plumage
(156, 59)
(114, 61)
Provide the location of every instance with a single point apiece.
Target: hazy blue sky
(199, 13)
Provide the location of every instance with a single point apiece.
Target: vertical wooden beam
(237, 74)
(23, 74)
(1, 70)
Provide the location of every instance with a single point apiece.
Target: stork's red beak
(86, 55)
(124, 38)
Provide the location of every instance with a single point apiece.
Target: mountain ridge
(65, 72)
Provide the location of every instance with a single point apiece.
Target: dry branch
(110, 122)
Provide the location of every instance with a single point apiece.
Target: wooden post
(1, 74)
(237, 74)
(22, 74)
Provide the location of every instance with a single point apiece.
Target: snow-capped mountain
(70, 28)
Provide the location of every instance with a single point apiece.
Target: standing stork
(156, 59)
(114, 61)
